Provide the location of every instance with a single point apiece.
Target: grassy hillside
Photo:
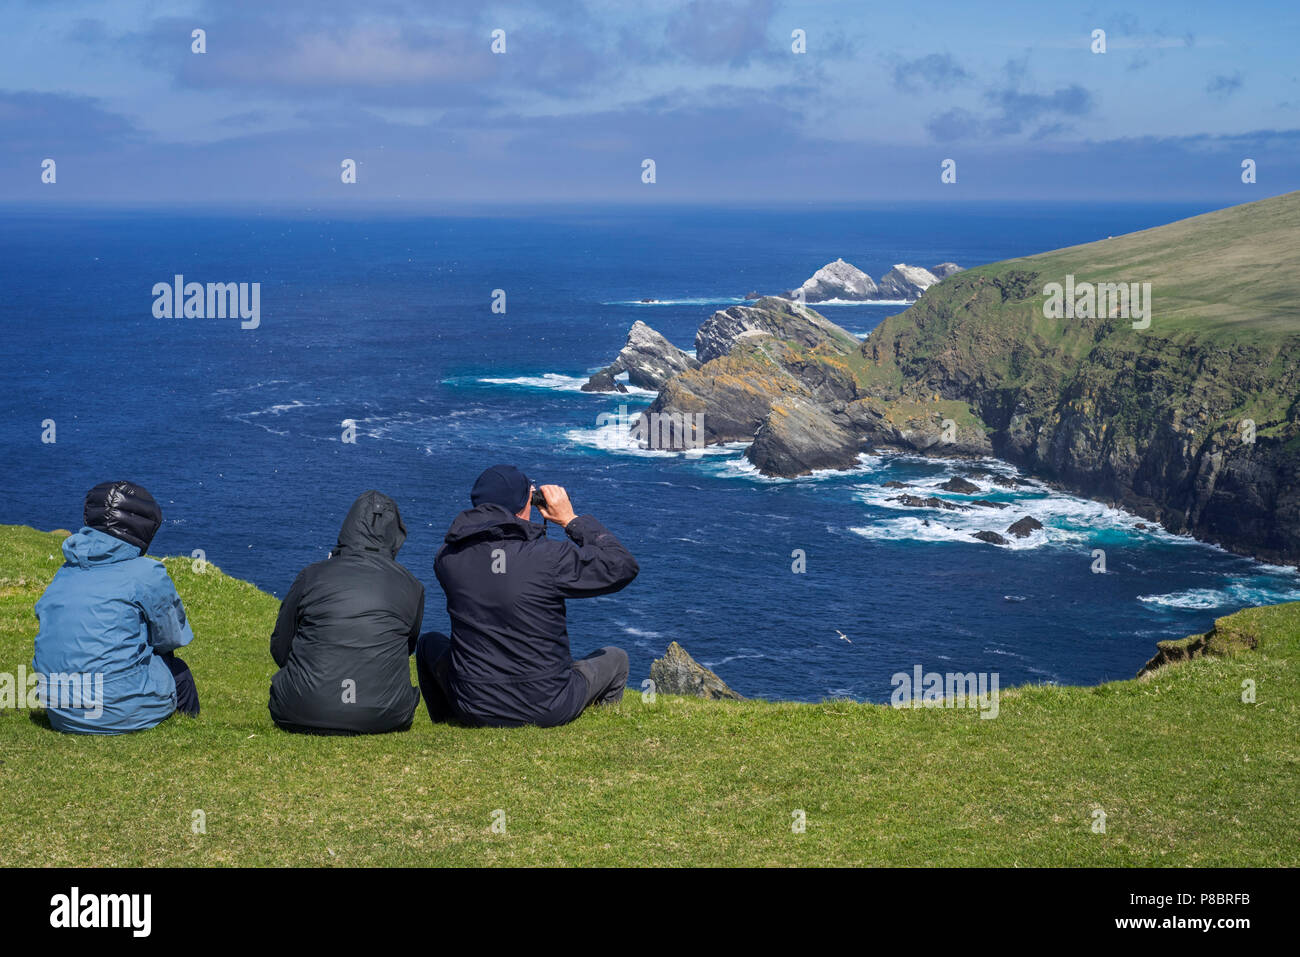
(1231, 272)
(1227, 278)
(1186, 773)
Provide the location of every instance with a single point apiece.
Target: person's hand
(557, 508)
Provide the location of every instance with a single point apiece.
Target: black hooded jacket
(346, 631)
(506, 585)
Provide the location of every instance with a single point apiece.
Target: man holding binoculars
(507, 662)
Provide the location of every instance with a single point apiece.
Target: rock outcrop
(944, 270)
(906, 282)
(960, 486)
(837, 280)
(678, 673)
(799, 436)
(1024, 527)
(648, 358)
(772, 316)
(603, 381)
(782, 377)
(915, 501)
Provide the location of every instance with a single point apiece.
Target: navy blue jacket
(506, 585)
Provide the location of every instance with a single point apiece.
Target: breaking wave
(552, 381)
(1236, 595)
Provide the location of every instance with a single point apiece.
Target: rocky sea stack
(678, 673)
(649, 360)
(837, 280)
(844, 282)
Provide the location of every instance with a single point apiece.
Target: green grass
(1230, 272)
(1186, 773)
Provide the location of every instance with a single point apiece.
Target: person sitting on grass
(110, 623)
(507, 662)
(346, 630)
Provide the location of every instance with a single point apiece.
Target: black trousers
(187, 694)
(605, 671)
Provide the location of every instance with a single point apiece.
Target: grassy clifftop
(1232, 272)
(1185, 772)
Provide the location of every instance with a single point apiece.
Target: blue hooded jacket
(105, 614)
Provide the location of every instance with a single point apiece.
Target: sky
(711, 90)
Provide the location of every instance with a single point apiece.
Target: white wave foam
(561, 383)
(741, 467)
(1198, 598)
(697, 301)
(274, 410)
(616, 436)
(250, 388)
(387, 426)
(915, 529)
(280, 408)
(1066, 519)
(548, 380)
(1235, 594)
(714, 664)
(862, 302)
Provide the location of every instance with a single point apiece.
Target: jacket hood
(90, 547)
(489, 521)
(373, 525)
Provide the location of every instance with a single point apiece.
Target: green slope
(1233, 272)
(1186, 773)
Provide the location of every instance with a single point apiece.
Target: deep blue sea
(387, 320)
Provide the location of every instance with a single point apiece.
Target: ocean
(386, 319)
